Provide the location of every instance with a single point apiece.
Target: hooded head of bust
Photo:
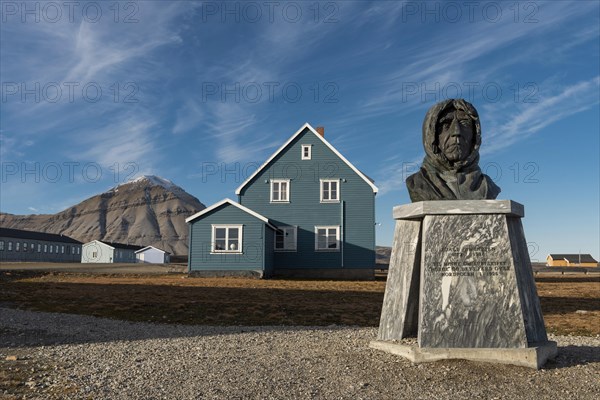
(452, 135)
(450, 170)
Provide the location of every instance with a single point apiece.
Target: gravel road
(80, 357)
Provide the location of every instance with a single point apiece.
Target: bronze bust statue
(450, 170)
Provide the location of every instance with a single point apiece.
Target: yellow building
(571, 260)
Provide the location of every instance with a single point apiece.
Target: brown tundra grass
(571, 304)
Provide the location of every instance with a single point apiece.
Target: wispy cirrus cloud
(189, 115)
(116, 57)
(234, 130)
(530, 118)
(129, 139)
(474, 56)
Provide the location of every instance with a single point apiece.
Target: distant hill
(147, 211)
(383, 254)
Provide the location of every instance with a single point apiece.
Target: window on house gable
(285, 238)
(280, 190)
(330, 190)
(227, 238)
(327, 238)
(306, 151)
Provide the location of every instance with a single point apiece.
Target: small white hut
(152, 255)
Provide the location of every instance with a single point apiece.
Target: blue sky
(98, 93)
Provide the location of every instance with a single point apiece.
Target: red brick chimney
(321, 130)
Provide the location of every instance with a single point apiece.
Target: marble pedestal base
(460, 280)
(530, 357)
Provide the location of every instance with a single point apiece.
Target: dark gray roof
(32, 235)
(122, 245)
(574, 258)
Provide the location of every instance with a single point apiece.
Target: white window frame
(279, 181)
(39, 246)
(17, 246)
(309, 148)
(9, 246)
(337, 237)
(337, 182)
(292, 246)
(226, 227)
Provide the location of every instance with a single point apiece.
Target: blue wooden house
(306, 212)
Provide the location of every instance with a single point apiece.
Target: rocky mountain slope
(147, 211)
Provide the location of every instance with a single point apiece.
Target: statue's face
(455, 140)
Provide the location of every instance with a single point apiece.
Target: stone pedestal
(460, 280)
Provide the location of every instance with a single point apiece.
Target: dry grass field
(571, 304)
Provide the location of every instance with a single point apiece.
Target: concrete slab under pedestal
(530, 357)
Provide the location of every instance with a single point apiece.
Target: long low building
(98, 251)
(17, 245)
